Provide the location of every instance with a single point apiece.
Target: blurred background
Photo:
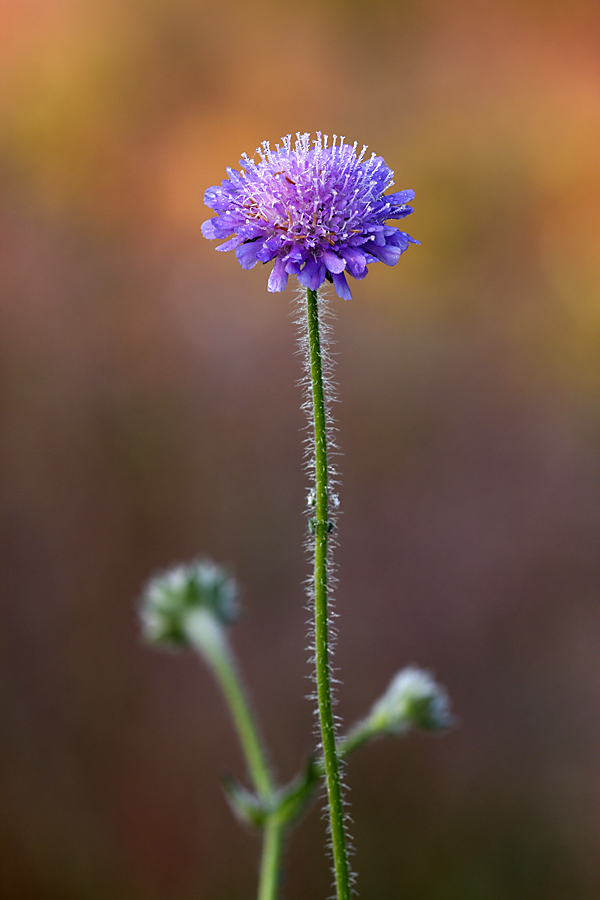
(150, 413)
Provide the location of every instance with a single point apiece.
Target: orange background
(149, 408)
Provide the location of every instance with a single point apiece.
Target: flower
(172, 600)
(412, 699)
(318, 210)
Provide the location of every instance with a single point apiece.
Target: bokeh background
(150, 413)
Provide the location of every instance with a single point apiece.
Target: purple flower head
(319, 211)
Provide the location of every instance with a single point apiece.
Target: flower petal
(388, 254)
(213, 198)
(278, 278)
(249, 232)
(401, 212)
(298, 253)
(231, 244)
(312, 275)
(356, 260)
(264, 255)
(399, 198)
(246, 254)
(341, 286)
(268, 250)
(333, 262)
(208, 230)
(401, 239)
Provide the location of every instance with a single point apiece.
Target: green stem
(355, 738)
(211, 641)
(221, 660)
(270, 864)
(321, 527)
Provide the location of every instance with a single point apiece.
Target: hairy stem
(321, 529)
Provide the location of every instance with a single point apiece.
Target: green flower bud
(173, 600)
(412, 700)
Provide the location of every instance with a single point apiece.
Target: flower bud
(412, 700)
(172, 600)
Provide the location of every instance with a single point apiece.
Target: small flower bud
(172, 600)
(412, 700)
